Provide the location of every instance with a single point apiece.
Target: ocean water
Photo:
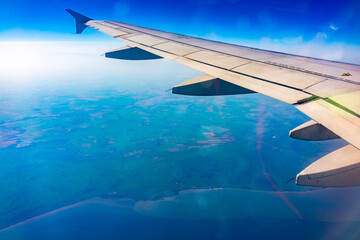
(97, 149)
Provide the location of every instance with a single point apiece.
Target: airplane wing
(326, 91)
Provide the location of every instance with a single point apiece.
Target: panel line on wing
(239, 66)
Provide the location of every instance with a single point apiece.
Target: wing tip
(80, 20)
(78, 17)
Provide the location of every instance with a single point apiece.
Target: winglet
(80, 20)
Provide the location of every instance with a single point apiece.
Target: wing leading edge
(327, 91)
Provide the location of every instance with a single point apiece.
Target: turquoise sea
(103, 151)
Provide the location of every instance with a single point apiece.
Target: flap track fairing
(207, 85)
(340, 168)
(312, 131)
(131, 53)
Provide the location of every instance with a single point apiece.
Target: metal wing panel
(330, 87)
(217, 59)
(279, 75)
(177, 48)
(130, 35)
(147, 39)
(98, 25)
(331, 68)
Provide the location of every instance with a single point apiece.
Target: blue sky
(273, 24)
(231, 18)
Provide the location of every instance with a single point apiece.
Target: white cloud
(321, 35)
(333, 27)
